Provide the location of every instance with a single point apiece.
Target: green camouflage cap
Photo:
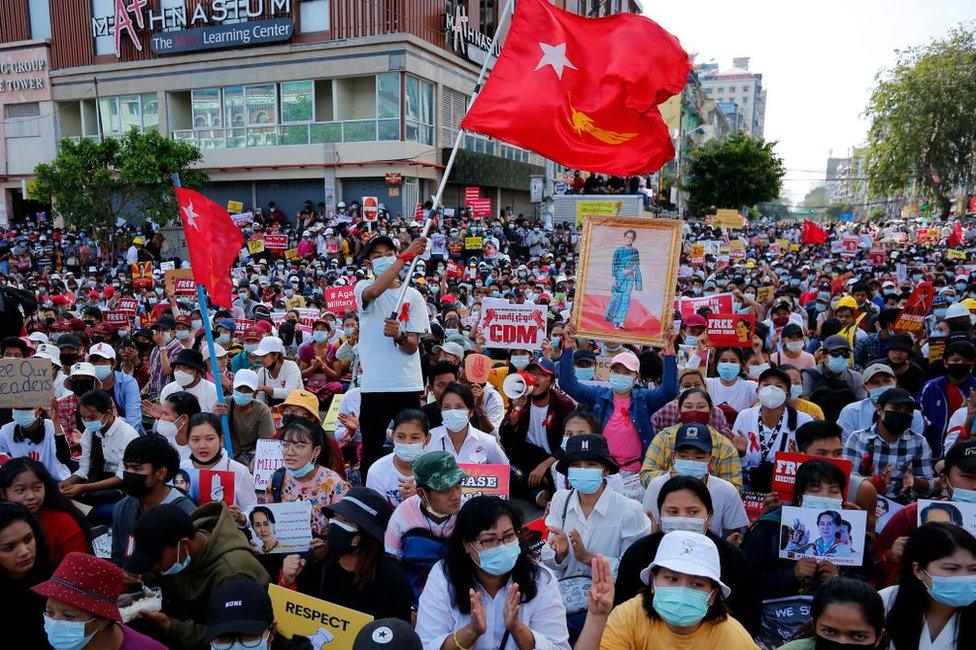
(437, 470)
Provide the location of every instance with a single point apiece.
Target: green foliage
(816, 198)
(878, 213)
(93, 183)
(833, 211)
(737, 172)
(923, 120)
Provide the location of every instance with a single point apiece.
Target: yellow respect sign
(605, 208)
(332, 415)
(326, 624)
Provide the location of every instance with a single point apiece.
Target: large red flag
(581, 91)
(213, 241)
(812, 233)
(956, 237)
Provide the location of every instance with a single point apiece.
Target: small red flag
(418, 214)
(813, 234)
(955, 239)
(213, 241)
(582, 91)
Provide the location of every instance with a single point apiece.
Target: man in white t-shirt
(389, 338)
(188, 373)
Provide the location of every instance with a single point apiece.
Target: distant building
(742, 89)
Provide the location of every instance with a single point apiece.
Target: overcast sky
(818, 61)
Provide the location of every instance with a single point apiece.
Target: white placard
(281, 527)
(267, 458)
(511, 326)
(824, 535)
(959, 513)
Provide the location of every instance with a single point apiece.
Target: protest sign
(781, 617)
(728, 218)
(834, 535)
(837, 247)
(884, 511)
(737, 249)
(783, 243)
(960, 513)
(605, 208)
(255, 246)
(26, 383)
(115, 319)
(473, 243)
(512, 327)
(291, 254)
(242, 219)
(730, 330)
(128, 305)
(242, 325)
(794, 248)
(955, 254)
(477, 367)
(480, 207)
(484, 480)
(471, 194)
(235, 207)
(287, 530)
(877, 256)
(216, 485)
(851, 243)
(142, 277)
(332, 415)
(765, 295)
(697, 254)
(936, 348)
(180, 281)
(912, 316)
(275, 242)
(340, 299)
(325, 624)
(786, 464)
(717, 303)
(371, 208)
(753, 501)
(267, 458)
(454, 270)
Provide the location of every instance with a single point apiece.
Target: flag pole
(428, 222)
(208, 331)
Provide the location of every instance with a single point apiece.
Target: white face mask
(690, 524)
(167, 429)
(772, 396)
(794, 346)
(183, 378)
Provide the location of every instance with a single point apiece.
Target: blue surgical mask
(407, 451)
(836, 365)
(691, 339)
(455, 419)
(381, 264)
(728, 370)
(67, 635)
(349, 331)
(178, 566)
(585, 374)
(24, 417)
(250, 347)
(621, 383)
(243, 399)
(821, 503)
(93, 426)
(681, 606)
(939, 312)
(796, 391)
(586, 480)
(102, 372)
(688, 467)
(302, 472)
(451, 332)
(876, 392)
(182, 335)
(960, 286)
(320, 336)
(223, 339)
(499, 560)
(520, 361)
(555, 341)
(954, 591)
(963, 496)
(197, 323)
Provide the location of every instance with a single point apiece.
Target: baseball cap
(157, 529)
(268, 345)
(901, 342)
(627, 359)
(690, 553)
(38, 337)
(387, 634)
(437, 470)
(543, 364)
(165, 322)
(102, 351)
(693, 320)
(961, 455)
(374, 242)
(239, 606)
(693, 435)
(836, 342)
(876, 369)
(452, 348)
(227, 324)
(584, 355)
(897, 397)
(246, 377)
(82, 369)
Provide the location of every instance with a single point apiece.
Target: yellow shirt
(629, 628)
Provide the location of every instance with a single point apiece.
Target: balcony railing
(291, 134)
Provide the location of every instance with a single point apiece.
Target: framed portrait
(625, 279)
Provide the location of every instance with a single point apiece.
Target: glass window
(102, 13)
(388, 95)
(109, 109)
(130, 112)
(150, 112)
(174, 14)
(420, 110)
(205, 104)
(486, 16)
(234, 113)
(389, 130)
(236, 11)
(297, 101)
(313, 16)
(40, 19)
(262, 104)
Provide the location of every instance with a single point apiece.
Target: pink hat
(693, 320)
(628, 360)
(89, 583)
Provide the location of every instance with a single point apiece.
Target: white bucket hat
(687, 552)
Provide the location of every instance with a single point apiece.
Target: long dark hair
(317, 436)
(101, 401)
(478, 515)
(11, 513)
(370, 552)
(53, 498)
(846, 591)
(817, 472)
(927, 544)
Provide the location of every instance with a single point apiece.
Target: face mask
(958, 370)
(794, 346)
(499, 560)
(585, 374)
(25, 418)
(820, 643)
(243, 399)
(177, 566)
(696, 290)
(691, 339)
(455, 419)
(407, 451)
(197, 323)
(289, 293)
(690, 524)
(681, 606)
(939, 312)
(555, 341)
(695, 417)
(836, 365)
(896, 423)
(382, 264)
(954, 591)
(755, 371)
(349, 331)
(182, 335)
(451, 332)
(183, 378)
(520, 361)
(319, 336)
(92, 427)
(728, 370)
(621, 383)
(820, 307)
(167, 429)
(302, 472)
(135, 485)
(876, 393)
(586, 480)
(223, 339)
(68, 360)
(796, 391)
(102, 372)
(67, 635)
(750, 296)
(687, 467)
(772, 396)
(963, 496)
(250, 347)
(340, 536)
(821, 503)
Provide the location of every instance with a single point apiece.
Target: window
(297, 101)
(314, 16)
(721, 89)
(486, 17)
(174, 14)
(234, 114)
(514, 153)
(19, 111)
(745, 89)
(388, 105)
(40, 19)
(261, 102)
(205, 106)
(479, 144)
(119, 114)
(420, 110)
(236, 11)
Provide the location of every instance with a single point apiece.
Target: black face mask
(135, 485)
(958, 370)
(895, 422)
(340, 540)
(81, 386)
(820, 643)
(68, 360)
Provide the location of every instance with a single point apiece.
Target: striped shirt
(871, 455)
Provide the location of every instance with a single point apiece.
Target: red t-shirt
(63, 534)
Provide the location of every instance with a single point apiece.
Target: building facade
(741, 88)
(288, 100)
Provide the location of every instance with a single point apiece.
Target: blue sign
(847, 216)
(223, 36)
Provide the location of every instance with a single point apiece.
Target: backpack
(277, 481)
(420, 550)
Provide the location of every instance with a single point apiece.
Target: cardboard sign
(255, 246)
(142, 277)
(952, 512)
(180, 281)
(477, 367)
(267, 458)
(786, 464)
(454, 270)
(235, 207)
(242, 219)
(115, 319)
(340, 299)
(128, 305)
(484, 480)
(332, 415)
(276, 242)
(720, 303)
(804, 537)
(912, 317)
(728, 218)
(325, 624)
(512, 327)
(480, 208)
(290, 532)
(26, 383)
(216, 485)
(473, 243)
(730, 330)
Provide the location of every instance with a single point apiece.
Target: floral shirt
(325, 488)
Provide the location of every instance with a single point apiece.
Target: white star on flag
(554, 55)
(190, 215)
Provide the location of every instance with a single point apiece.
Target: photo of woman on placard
(626, 274)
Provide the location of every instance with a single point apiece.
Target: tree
(91, 184)
(737, 172)
(816, 198)
(923, 120)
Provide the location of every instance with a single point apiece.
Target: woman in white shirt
(730, 387)
(458, 436)
(931, 607)
(205, 441)
(31, 434)
(392, 475)
(278, 376)
(488, 593)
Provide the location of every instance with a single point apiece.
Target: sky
(818, 61)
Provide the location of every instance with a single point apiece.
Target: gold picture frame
(605, 306)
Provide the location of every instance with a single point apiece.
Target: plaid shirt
(871, 455)
(669, 415)
(724, 462)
